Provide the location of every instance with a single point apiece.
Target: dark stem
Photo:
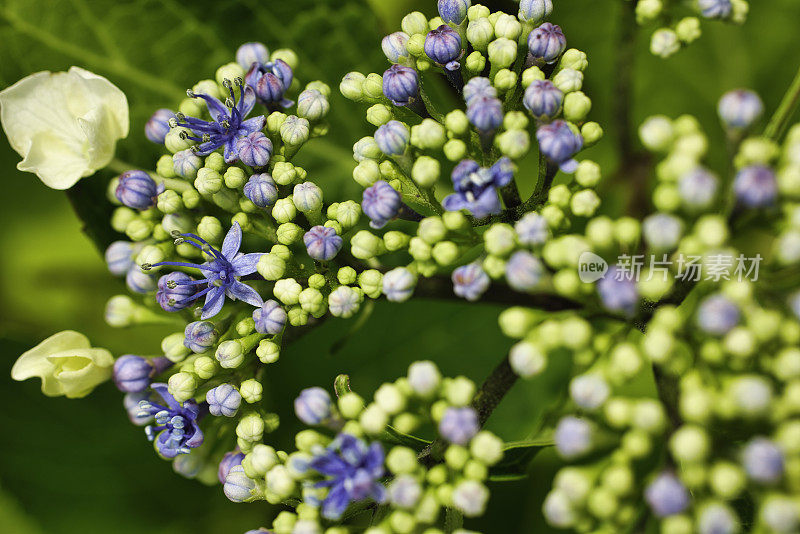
(510, 194)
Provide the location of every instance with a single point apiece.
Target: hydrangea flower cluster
(679, 23)
(679, 332)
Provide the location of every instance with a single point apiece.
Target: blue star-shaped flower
(221, 272)
(476, 187)
(354, 470)
(176, 430)
(228, 124)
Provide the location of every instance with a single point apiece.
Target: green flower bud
(191, 198)
(350, 405)
(286, 54)
(139, 229)
(576, 106)
(514, 143)
(416, 46)
(688, 29)
(284, 210)
(234, 178)
(664, 42)
(379, 114)
(169, 202)
(516, 322)
(230, 354)
(500, 239)
(480, 33)
(287, 291)
(459, 391)
(312, 301)
(507, 26)
(627, 231)
(568, 80)
(530, 75)
(271, 267)
(298, 316)
(435, 22)
(756, 150)
(457, 122)
(415, 23)
(425, 171)
(373, 419)
(592, 132)
(215, 161)
(210, 229)
(250, 428)
(456, 457)
(260, 460)
(285, 173)
(208, 181)
(251, 390)
(390, 399)
(432, 230)
(402, 460)
(182, 386)
(455, 149)
(477, 11)
(394, 241)
(573, 59)
(274, 122)
(429, 135)
(648, 11)
(312, 105)
(689, 444)
(151, 254)
(445, 253)
(588, 173)
(165, 167)
(367, 172)
(351, 86)
(173, 348)
(268, 351)
(191, 107)
(712, 230)
(502, 52)
(229, 71)
(176, 140)
(727, 480)
(419, 249)
(475, 62)
(584, 203)
(346, 275)
(505, 80)
(205, 367)
(372, 87)
(295, 131)
(486, 447)
(289, 233)
(365, 245)
(371, 282)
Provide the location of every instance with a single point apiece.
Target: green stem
(780, 120)
(119, 166)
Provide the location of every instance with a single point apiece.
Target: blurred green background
(78, 466)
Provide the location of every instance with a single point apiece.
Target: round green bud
(287, 55)
(514, 143)
(712, 230)
(416, 46)
(502, 52)
(401, 460)
(176, 139)
(298, 316)
(480, 33)
(169, 202)
(395, 241)
(445, 253)
(500, 239)
(312, 301)
(234, 177)
(573, 59)
(584, 203)
(689, 444)
(664, 42)
(532, 74)
(210, 229)
(370, 281)
(191, 198)
(139, 229)
(287, 291)
(455, 149)
(372, 88)
(182, 386)
(350, 405)
(576, 106)
(756, 150)
(688, 29)
(379, 114)
(122, 217)
(559, 196)
(425, 171)
(477, 11)
(322, 87)
(432, 230)
(229, 72)
(259, 460)
(373, 419)
(419, 249)
(295, 131)
(515, 322)
(390, 398)
(346, 275)
(457, 122)
(415, 23)
(627, 231)
(507, 26)
(459, 391)
(251, 390)
(727, 480)
(165, 167)
(475, 62)
(205, 367)
(365, 245)
(268, 351)
(648, 10)
(588, 173)
(208, 181)
(367, 172)
(250, 428)
(486, 447)
(456, 457)
(274, 122)
(351, 85)
(289, 233)
(592, 132)
(568, 80)
(284, 210)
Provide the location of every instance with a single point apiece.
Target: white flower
(67, 365)
(65, 125)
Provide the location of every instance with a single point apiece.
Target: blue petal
(215, 299)
(247, 102)
(454, 202)
(245, 264)
(335, 503)
(486, 204)
(330, 464)
(232, 242)
(245, 293)
(163, 392)
(256, 124)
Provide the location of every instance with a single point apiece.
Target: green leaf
(516, 457)
(407, 440)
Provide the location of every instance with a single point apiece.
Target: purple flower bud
(131, 403)
(740, 109)
(470, 281)
(132, 373)
(532, 230)
(322, 243)
(543, 99)
(763, 461)
(381, 203)
(698, 188)
(717, 518)
(398, 284)
(559, 144)
(535, 10)
(174, 291)
(238, 487)
(270, 318)
(524, 271)
(573, 437)
(405, 491)
(443, 46)
(261, 190)
(392, 138)
(270, 81)
(200, 336)
(794, 303)
(485, 113)
(667, 495)
(229, 461)
(717, 315)
(223, 400)
(478, 87)
(400, 84)
(254, 149)
(394, 46)
(137, 190)
(547, 42)
(250, 53)
(756, 186)
(459, 425)
(158, 127)
(715, 9)
(617, 292)
(119, 257)
(139, 281)
(186, 163)
(454, 11)
(313, 406)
